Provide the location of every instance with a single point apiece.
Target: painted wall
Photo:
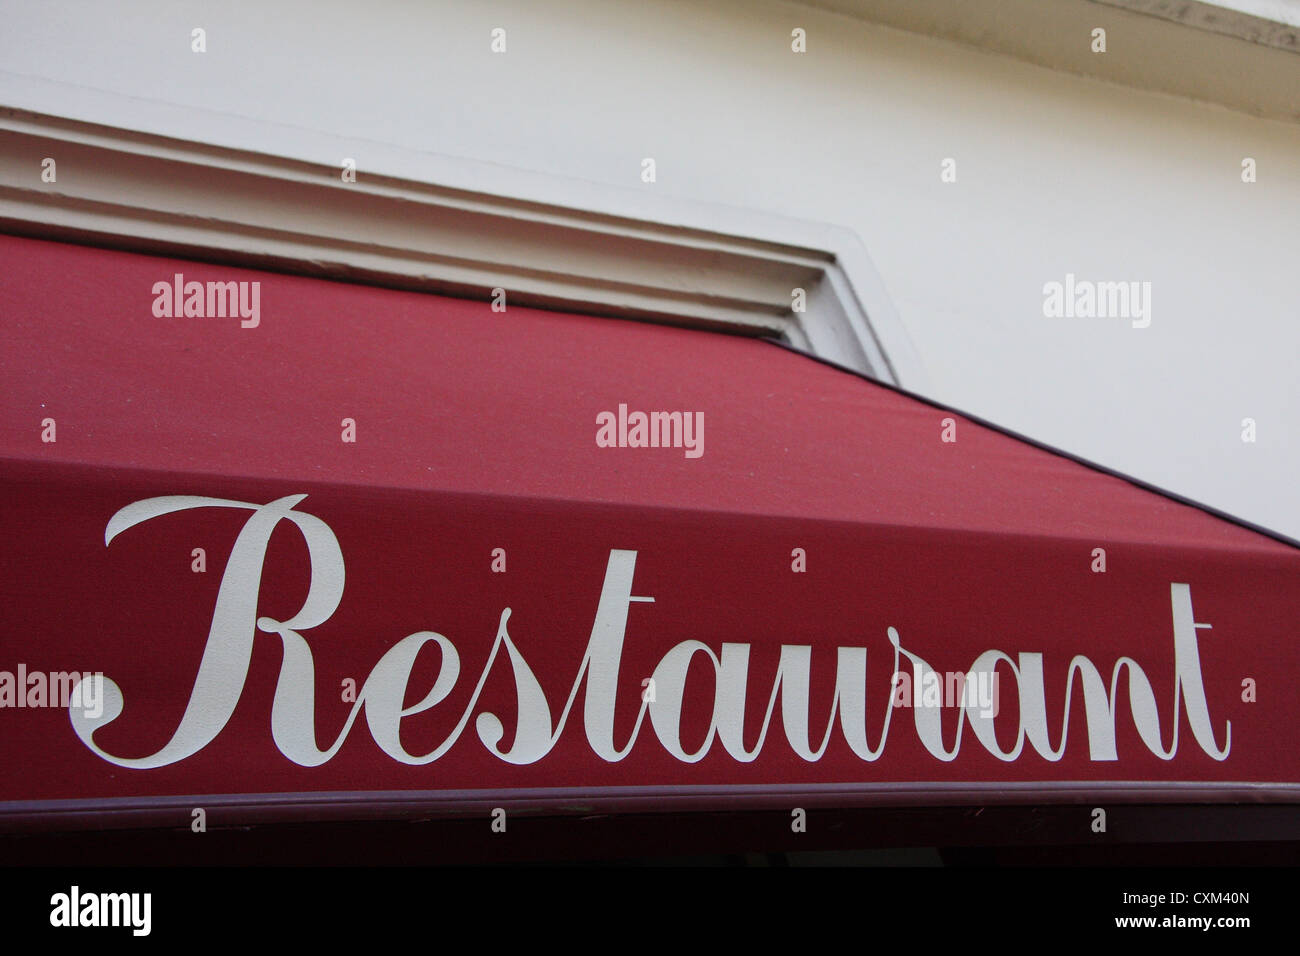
(1055, 174)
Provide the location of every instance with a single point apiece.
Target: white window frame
(687, 264)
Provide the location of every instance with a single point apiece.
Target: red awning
(355, 548)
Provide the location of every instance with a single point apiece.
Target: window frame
(693, 265)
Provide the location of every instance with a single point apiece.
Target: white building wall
(1056, 174)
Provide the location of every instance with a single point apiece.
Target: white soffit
(1242, 54)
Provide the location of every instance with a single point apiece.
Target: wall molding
(150, 193)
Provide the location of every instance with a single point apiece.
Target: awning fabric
(818, 557)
